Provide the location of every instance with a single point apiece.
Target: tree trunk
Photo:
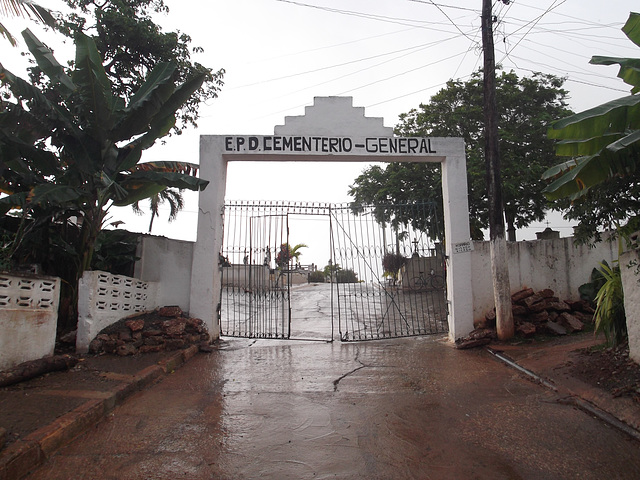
(35, 368)
(497, 242)
(511, 228)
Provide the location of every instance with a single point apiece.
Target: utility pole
(497, 240)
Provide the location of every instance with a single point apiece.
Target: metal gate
(255, 295)
(385, 270)
(395, 251)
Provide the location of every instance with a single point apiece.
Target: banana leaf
(47, 62)
(610, 117)
(632, 28)
(629, 69)
(26, 91)
(13, 201)
(589, 146)
(54, 195)
(97, 101)
(146, 103)
(131, 154)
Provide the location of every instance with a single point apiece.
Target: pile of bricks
(543, 312)
(164, 329)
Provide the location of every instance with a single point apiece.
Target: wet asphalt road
(398, 409)
(393, 409)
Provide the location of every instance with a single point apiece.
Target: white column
(205, 272)
(456, 227)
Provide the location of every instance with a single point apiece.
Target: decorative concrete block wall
(28, 317)
(104, 298)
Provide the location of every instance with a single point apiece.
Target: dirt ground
(609, 369)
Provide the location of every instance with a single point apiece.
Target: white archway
(332, 130)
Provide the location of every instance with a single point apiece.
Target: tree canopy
(600, 184)
(132, 44)
(525, 107)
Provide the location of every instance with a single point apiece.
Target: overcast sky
(389, 55)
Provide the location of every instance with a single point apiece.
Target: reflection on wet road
(395, 409)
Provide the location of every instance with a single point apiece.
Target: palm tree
(23, 8)
(295, 252)
(170, 195)
(286, 254)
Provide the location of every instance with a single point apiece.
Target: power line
(417, 49)
(401, 74)
(370, 16)
(316, 70)
(456, 7)
(533, 24)
(449, 18)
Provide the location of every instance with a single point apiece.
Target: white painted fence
(104, 298)
(28, 317)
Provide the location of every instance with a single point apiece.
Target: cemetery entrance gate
(384, 277)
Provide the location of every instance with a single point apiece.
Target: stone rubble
(534, 313)
(166, 328)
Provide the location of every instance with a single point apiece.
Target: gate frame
(340, 133)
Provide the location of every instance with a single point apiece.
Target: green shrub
(316, 277)
(392, 263)
(609, 316)
(346, 276)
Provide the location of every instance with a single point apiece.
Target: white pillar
(457, 235)
(205, 271)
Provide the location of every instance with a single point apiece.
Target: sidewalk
(41, 415)
(45, 413)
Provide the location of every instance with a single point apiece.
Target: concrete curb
(26, 454)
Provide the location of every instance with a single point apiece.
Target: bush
(392, 263)
(610, 317)
(346, 276)
(316, 277)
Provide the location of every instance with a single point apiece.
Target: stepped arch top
(334, 116)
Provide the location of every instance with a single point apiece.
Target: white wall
(630, 271)
(167, 262)
(28, 317)
(251, 276)
(557, 264)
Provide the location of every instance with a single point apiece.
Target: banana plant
(74, 149)
(604, 141)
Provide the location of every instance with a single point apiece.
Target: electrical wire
(449, 18)
(383, 18)
(534, 26)
(316, 70)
